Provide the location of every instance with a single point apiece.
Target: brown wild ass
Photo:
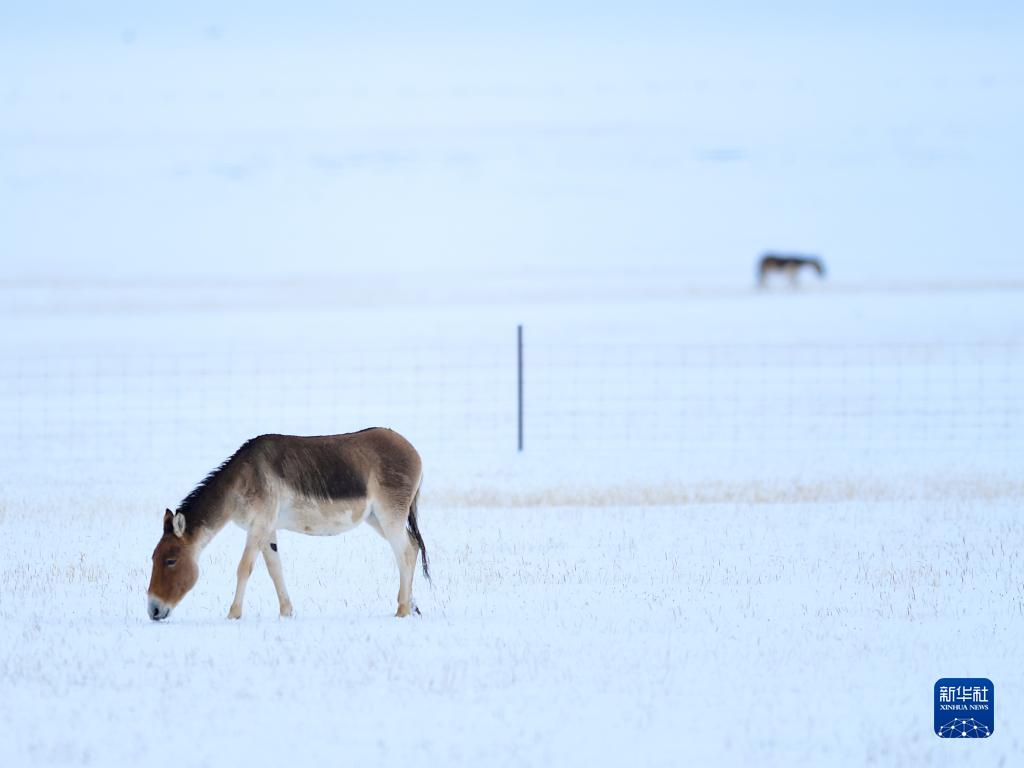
(789, 264)
(315, 485)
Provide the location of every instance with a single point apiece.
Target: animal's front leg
(245, 566)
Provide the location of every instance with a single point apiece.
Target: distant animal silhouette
(787, 263)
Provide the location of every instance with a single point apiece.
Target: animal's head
(175, 570)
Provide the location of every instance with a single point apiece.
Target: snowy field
(592, 604)
(793, 634)
(748, 528)
(778, 396)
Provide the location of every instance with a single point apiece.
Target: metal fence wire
(862, 404)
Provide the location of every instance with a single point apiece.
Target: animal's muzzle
(157, 609)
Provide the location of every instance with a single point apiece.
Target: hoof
(286, 611)
(235, 613)
(403, 611)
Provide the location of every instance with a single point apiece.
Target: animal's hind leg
(391, 525)
(273, 560)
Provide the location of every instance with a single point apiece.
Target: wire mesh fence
(755, 406)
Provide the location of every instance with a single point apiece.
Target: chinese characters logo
(964, 708)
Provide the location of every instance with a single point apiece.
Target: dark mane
(203, 499)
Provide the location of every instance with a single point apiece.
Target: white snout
(158, 609)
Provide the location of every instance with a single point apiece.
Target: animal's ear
(168, 517)
(179, 525)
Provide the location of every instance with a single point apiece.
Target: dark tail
(414, 529)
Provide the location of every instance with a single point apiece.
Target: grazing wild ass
(789, 264)
(315, 485)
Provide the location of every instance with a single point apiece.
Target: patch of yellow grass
(922, 488)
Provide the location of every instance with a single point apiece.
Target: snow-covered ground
(718, 396)
(777, 635)
(782, 590)
(317, 139)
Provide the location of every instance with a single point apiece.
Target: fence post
(519, 365)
